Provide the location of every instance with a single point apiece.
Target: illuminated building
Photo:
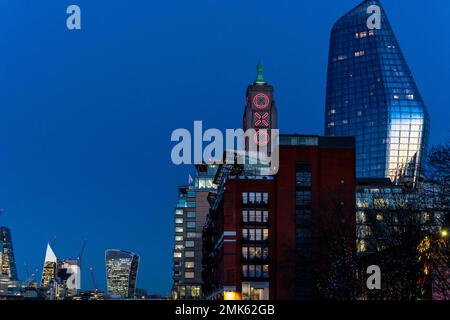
(49, 271)
(7, 261)
(371, 95)
(384, 210)
(190, 215)
(262, 238)
(121, 273)
(69, 277)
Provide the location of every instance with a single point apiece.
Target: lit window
(360, 217)
(189, 275)
(410, 96)
(191, 224)
(191, 214)
(361, 247)
(189, 264)
(177, 254)
(191, 235)
(189, 244)
(178, 238)
(178, 229)
(179, 212)
(379, 217)
(359, 53)
(189, 254)
(178, 220)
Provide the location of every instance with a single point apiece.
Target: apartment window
(251, 271)
(303, 179)
(191, 194)
(177, 255)
(189, 254)
(189, 244)
(265, 197)
(179, 220)
(178, 238)
(361, 246)
(178, 229)
(191, 235)
(303, 198)
(245, 270)
(255, 252)
(191, 204)
(255, 234)
(255, 198)
(189, 275)
(360, 217)
(189, 264)
(191, 214)
(179, 212)
(191, 224)
(244, 197)
(258, 216)
(266, 271)
(255, 271)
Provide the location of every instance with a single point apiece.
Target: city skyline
(77, 154)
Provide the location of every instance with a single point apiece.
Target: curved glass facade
(371, 95)
(121, 273)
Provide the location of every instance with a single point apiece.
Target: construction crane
(94, 284)
(80, 255)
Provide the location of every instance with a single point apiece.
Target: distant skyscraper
(49, 271)
(7, 261)
(371, 94)
(121, 273)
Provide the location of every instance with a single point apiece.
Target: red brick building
(267, 237)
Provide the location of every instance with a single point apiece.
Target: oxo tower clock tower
(260, 111)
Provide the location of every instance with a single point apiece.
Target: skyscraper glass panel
(371, 95)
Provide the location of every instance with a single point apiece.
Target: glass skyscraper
(371, 95)
(7, 261)
(121, 273)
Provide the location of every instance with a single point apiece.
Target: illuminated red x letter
(262, 119)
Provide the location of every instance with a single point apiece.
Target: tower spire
(259, 74)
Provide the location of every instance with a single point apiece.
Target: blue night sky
(86, 116)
